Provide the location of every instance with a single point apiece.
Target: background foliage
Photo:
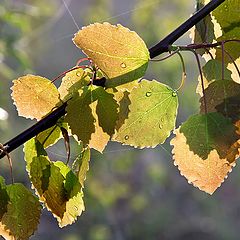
(131, 194)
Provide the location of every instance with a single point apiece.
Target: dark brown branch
(161, 47)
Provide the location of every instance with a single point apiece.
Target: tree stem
(159, 48)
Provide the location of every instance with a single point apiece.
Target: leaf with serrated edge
(207, 174)
(72, 82)
(34, 96)
(116, 50)
(152, 115)
(55, 184)
(224, 97)
(207, 132)
(23, 213)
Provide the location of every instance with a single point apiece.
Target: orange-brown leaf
(207, 174)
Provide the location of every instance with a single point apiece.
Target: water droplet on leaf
(160, 126)
(148, 94)
(123, 65)
(174, 94)
(126, 137)
(78, 74)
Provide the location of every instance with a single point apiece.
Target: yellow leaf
(34, 96)
(116, 50)
(207, 174)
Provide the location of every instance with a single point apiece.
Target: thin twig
(184, 74)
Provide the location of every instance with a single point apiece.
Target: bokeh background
(129, 194)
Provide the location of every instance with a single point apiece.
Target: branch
(156, 50)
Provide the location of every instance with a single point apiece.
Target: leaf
(55, 184)
(207, 132)
(34, 96)
(116, 50)
(152, 115)
(99, 138)
(80, 113)
(79, 116)
(51, 135)
(81, 165)
(223, 96)
(212, 71)
(207, 174)
(21, 218)
(204, 30)
(72, 82)
(227, 14)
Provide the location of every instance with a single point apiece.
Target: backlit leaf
(56, 185)
(208, 132)
(34, 96)
(152, 115)
(21, 213)
(80, 114)
(116, 50)
(206, 174)
(72, 82)
(99, 138)
(223, 96)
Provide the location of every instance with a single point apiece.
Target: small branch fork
(159, 48)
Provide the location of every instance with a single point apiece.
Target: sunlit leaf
(116, 50)
(152, 115)
(20, 216)
(34, 96)
(206, 174)
(72, 82)
(56, 185)
(80, 114)
(99, 138)
(81, 165)
(207, 132)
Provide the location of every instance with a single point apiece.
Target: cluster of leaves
(129, 110)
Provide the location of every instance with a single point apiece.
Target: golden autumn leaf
(208, 174)
(116, 50)
(34, 96)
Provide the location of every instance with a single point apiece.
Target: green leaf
(55, 184)
(152, 115)
(223, 96)
(212, 70)
(50, 136)
(23, 212)
(72, 82)
(81, 165)
(34, 96)
(116, 50)
(227, 15)
(207, 132)
(80, 114)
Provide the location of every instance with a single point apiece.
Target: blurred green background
(129, 194)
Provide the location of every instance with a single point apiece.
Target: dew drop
(123, 65)
(148, 94)
(162, 119)
(174, 94)
(160, 126)
(68, 78)
(126, 137)
(78, 74)
(94, 120)
(75, 208)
